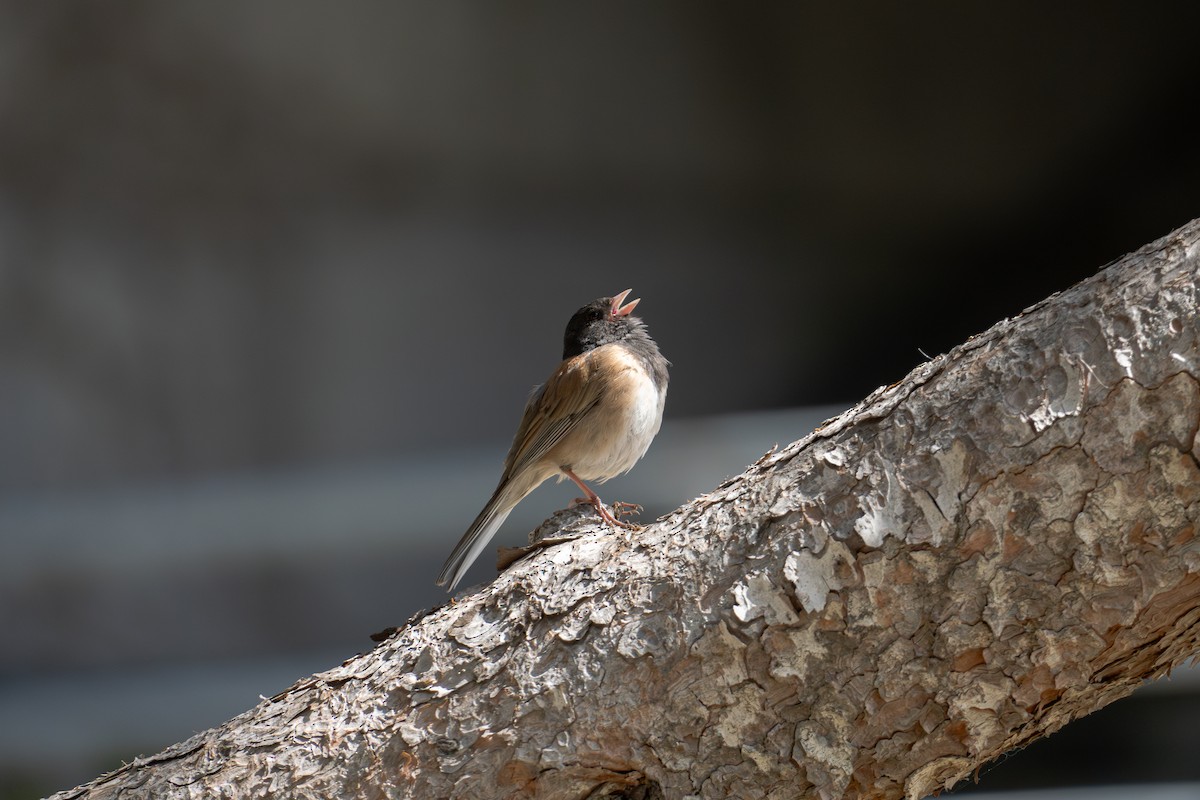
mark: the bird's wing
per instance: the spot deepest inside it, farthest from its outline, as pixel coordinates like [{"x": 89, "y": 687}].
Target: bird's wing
[{"x": 553, "y": 411}]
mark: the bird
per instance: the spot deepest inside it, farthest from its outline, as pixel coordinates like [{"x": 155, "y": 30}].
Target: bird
[{"x": 592, "y": 420}]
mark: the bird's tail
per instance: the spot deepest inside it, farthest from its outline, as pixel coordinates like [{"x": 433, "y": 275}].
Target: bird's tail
[
  {"x": 510, "y": 492},
  {"x": 475, "y": 539}
]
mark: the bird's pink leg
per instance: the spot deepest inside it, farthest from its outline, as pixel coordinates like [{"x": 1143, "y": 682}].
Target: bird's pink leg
[{"x": 595, "y": 500}]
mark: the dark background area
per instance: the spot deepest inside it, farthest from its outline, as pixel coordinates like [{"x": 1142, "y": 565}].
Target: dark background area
[{"x": 276, "y": 278}]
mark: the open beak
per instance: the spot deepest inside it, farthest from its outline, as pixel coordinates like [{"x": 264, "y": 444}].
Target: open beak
[{"x": 619, "y": 310}]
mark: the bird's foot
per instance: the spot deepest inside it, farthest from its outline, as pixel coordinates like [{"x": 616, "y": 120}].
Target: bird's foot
[
  {"x": 601, "y": 509},
  {"x": 626, "y": 509},
  {"x": 615, "y": 519}
]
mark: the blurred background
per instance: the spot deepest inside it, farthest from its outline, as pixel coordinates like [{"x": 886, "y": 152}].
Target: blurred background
[{"x": 277, "y": 277}]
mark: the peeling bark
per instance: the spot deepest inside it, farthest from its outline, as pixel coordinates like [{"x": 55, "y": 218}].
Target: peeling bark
[{"x": 964, "y": 562}]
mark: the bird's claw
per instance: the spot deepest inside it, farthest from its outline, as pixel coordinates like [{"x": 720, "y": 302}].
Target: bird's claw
[
  {"x": 621, "y": 509},
  {"x": 626, "y": 509}
]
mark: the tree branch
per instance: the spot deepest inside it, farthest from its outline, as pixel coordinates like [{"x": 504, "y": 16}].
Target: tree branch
[{"x": 969, "y": 559}]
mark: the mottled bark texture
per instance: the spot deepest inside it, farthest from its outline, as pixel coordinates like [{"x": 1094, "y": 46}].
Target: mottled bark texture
[{"x": 966, "y": 561}]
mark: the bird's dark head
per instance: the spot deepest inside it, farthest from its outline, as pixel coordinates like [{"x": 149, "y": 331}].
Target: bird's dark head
[{"x": 601, "y": 322}]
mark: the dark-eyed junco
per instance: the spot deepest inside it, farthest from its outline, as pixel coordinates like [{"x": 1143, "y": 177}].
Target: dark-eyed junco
[{"x": 592, "y": 420}]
